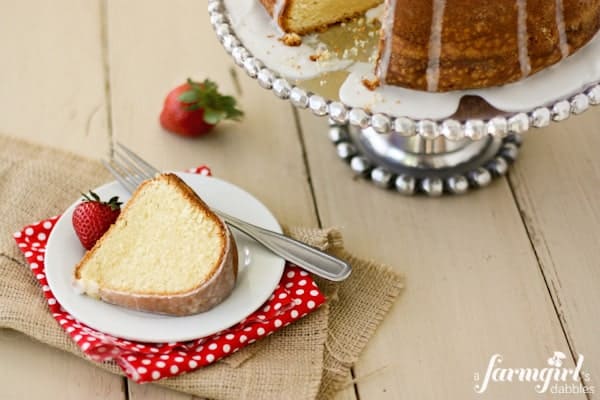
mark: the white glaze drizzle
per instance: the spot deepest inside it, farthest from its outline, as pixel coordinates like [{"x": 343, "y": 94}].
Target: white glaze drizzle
[
  {"x": 522, "y": 38},
  {"x": 435, "y": 45},
  {"x": 387, "y": 31},
  {"x": 278, "y": 11},
  {"x": 562, "y": 32}
]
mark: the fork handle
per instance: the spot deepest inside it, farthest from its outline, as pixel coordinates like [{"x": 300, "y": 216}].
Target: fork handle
[{"x": 307, "y": 257}]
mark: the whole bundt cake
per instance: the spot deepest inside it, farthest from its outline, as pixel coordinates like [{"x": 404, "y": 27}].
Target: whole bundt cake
[{"x": 443, "y": 45}]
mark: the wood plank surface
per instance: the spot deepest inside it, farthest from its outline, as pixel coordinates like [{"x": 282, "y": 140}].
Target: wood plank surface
[
  {"x": 155, "y": 392},
  {"x": 556, "y": 184},
  {"x": 262, "y": 154},
  {"x": 348, "y": 392},
  {"x": 32, "y": 370},
  {"x": 473, "y": 287},
  {"x": 52, "y": 72},
  {"x": 52, "y": 92}
]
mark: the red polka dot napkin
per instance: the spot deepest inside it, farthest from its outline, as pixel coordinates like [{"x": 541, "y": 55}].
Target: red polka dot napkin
[{"x": 295, "y": 296}]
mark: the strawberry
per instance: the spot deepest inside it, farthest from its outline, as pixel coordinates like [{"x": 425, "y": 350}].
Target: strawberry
[
  {"x": 92, "y": 217},
  {"x": 194, "y": 108}
]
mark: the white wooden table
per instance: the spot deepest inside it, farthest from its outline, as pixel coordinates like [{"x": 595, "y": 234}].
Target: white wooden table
[{"x": 513, "y": 269}]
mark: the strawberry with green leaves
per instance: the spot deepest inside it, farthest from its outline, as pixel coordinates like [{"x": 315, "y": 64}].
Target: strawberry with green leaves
[
  {"x": 194, "y": 108},
  {"x": 92, "y": 218}
]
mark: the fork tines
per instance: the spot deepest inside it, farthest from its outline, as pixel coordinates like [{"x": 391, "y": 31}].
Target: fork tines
[{"x": 129, "y": 168}]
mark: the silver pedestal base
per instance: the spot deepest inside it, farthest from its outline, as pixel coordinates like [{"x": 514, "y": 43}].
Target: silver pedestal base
[{"x": 412, "y": 165}]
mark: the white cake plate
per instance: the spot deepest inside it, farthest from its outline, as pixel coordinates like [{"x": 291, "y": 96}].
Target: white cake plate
[{"x": 413, "y": 155}]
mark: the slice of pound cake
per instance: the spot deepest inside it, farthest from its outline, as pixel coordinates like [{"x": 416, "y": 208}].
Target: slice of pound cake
[{"x": 166, "y": 253}]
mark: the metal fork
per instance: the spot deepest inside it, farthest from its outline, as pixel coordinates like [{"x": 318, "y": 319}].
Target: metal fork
[{"x": 130, "y": 170}]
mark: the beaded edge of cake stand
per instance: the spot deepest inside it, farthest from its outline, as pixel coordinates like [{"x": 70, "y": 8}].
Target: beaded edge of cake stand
[
  {"x": 434, "y": 186},
  {"x": 474, "y": 129}
]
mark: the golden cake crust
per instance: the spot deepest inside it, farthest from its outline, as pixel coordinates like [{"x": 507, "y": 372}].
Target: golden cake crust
[
  {"x": 480, "y": 44},
  {"x": 217, "y": 286},
  {"x": 290, "y": 12}
]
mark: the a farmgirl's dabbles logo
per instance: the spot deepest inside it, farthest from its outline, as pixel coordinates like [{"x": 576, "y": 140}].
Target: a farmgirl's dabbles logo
[{"x": 554, "y": 378}]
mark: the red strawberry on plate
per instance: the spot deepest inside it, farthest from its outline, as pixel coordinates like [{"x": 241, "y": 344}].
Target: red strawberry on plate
[
  {"x": 194, "y": 108},
  {"x": 92, "y": 217}
]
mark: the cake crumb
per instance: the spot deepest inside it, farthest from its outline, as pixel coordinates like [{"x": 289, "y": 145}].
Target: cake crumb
[
  {"x": 371, "y": 84},
  {"x": 320, "y": 56},
  {"x": 291, "y": 39},
  {"x": 322, "y": 53},
  {"x": 350, "y": 53},
  {"x": 373, "y": 57}
]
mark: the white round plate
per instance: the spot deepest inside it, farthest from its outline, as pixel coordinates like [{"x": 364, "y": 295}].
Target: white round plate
[{"x": 259, "y": 272}]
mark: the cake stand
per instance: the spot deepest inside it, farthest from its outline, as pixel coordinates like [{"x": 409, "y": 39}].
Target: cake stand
[{"x": 412, "y": 156}]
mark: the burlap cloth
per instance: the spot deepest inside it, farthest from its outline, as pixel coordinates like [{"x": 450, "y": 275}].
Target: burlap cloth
[{"x": 306, "y": 360}]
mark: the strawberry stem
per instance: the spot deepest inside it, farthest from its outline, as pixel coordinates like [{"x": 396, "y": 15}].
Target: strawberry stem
[
  {"x": 206, "y": 96},
  {"x": 113, "y": 203}
]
